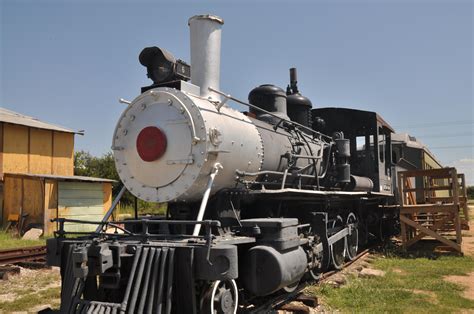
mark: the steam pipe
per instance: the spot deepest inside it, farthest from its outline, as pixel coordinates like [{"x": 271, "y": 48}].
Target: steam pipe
[{"x": 205, "y": 197}]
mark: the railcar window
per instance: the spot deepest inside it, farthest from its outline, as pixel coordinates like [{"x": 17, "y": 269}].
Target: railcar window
[
  {"x": 360, "y": 143},
  {"x": 382, "y": 141}
]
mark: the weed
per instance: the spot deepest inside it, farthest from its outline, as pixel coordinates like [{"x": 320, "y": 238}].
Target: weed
[
  {"x": 411, "y": 284},
  {"x": 29, "y": 300},
  {"x": 7, "y": 241}
]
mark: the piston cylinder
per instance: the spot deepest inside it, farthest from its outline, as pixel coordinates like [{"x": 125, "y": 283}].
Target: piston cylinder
[{"x": 268, "y": 270}]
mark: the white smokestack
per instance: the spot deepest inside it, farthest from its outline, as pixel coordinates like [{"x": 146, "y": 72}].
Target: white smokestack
[{"x": 205, "y": 33}]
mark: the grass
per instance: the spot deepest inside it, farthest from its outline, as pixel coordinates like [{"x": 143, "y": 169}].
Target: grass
[
  {"x": 144, "y": 208},
  {"x": 411, "y": 284},
  {"x": 7, "y": 241}
]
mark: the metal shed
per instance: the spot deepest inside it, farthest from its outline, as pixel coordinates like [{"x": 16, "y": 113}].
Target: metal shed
[{"x": 44, "y": 197}]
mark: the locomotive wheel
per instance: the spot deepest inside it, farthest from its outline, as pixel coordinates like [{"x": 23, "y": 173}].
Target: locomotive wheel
[
  {"x": 325, "y": 262},
  {"x": 315, "y": 274},
  {"x": 380, "y": 231},
  {"x": 352, "y": 240},
  {"x": 363, "y": 233},
  {"x": 338, "y": 249},
  {"x": 292, "y": 287},
  {"x": 220, "y": 297},
  {"x": 387, "y": 229}
]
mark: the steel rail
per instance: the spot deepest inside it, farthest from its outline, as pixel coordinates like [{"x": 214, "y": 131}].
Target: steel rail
[{"x": 26, "y": 254}]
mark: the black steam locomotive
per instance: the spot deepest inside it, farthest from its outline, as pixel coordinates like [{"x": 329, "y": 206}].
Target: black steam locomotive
[{"x": 257, "y": 200}]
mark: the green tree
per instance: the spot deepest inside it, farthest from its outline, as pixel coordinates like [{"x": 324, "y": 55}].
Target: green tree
[{"x": 470, "y": 192}]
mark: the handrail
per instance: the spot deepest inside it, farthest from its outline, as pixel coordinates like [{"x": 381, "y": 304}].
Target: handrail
[{"x": 228, "y": 96}]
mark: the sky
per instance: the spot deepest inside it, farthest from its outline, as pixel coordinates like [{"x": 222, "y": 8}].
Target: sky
[{"x": 68, "y": 62}]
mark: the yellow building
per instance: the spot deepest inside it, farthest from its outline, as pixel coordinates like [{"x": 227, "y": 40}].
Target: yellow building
[{"x": 37, "y": 175}]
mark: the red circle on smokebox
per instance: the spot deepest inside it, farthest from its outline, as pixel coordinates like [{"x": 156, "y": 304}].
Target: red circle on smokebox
[{"x": 151, "y": 143}]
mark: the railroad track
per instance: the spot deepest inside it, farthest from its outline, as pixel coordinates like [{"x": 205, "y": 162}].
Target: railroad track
[
  {"x": 280, "y": 300},
  {"x": 26, "y": 254}
]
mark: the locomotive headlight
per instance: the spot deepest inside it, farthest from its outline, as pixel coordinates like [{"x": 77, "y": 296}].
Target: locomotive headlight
[{"x": 162, "y": 66}]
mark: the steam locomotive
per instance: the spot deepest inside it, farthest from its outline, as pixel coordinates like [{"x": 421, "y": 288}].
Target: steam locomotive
[{"x": 257, "y": 200}]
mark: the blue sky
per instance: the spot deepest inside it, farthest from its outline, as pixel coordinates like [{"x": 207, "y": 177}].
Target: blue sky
[{"x": 68, "y": 62}]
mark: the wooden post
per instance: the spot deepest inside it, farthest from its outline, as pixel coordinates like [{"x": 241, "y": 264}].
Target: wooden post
[
  {"x": 463, "y": 196},
  {"x": 404, "y": 233},
  {"x": 401, "y": 193},
  {"x": 401, "y": 184},
  {"x": 457, "y": 220}
]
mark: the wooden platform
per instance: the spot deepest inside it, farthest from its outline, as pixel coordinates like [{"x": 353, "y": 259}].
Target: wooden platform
[{"x": 444, "y": 212}]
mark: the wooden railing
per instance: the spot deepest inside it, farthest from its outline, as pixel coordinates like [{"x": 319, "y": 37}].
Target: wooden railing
[{"x": 437, "y": 215}]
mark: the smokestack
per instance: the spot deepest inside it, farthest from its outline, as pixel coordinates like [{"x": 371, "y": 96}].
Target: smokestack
[{"x": 205, "y": 33}]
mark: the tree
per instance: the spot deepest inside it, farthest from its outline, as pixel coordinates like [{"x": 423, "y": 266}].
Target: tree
[{"x": 470, "y": 192}]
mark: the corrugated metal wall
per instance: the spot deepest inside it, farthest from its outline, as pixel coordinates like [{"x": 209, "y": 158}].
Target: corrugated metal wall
[{"x": 80, "y": 200}]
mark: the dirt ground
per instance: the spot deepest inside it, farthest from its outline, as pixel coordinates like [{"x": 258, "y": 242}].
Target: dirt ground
[
  {"x": 468, "y": 249},
  {"x": 31, "y": 291},
  {"x": 468, "y": 236}
]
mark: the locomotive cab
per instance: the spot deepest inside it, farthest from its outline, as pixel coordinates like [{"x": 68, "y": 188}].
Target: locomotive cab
[{"x": 370, "y": 144}]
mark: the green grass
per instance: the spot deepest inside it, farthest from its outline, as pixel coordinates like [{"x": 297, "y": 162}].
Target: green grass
[
  {"x": 7, "y": 241},
  {"x": 411, "y": 284},
  {"x": 144, "y": 208}
]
